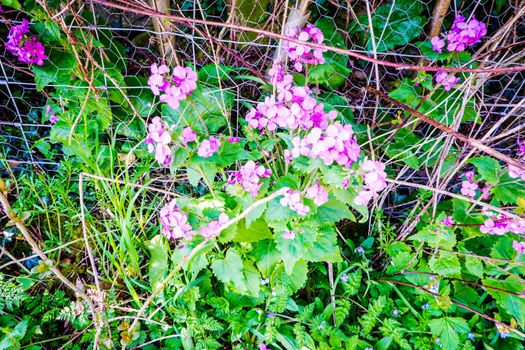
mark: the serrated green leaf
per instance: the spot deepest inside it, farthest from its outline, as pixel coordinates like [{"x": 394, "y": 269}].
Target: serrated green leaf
[
  {"x": 447, "y": 264},
  {"x": 230, "y": 269},
  {"x": 447, "y": 329},
  {"x": 488, "y": 168}
]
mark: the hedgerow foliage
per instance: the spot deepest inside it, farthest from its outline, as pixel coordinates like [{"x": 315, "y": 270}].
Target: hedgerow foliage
[{"x": 212, "y": 200}]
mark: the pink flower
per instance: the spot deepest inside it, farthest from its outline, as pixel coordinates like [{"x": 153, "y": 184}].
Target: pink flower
[
  {"x": 292, "y": 199},
  {"x": 448, "y": 221},
  {"x": 176, "y": 87},
  {"x": 233, "y": 140},
  {"x": 437, "y": 44},
  {"x": 448, "y": 81},
  {"x": 53, "y": 119},
  {"x": 174, "y": 222},
  {"x": 335, "y": 145},
  {"x": 318, "y": 194},
  {"x": 188, "y": 135},
  {"x": 468, "y": 188},
  {"x": 214, "y": 228},
  {"x": 301, "y": 53},
  {"x": 26, "y": 48},
  {"x": 249, "y": 176},
  {"x": 374, "y": 181},
  {"x": 158, "y": 141},
  {"x": 498, "y": 227},
  {"x": 208, "y": 147},
  {"x": 464, "y": 34},
  {"x": 519, "y": 247}
]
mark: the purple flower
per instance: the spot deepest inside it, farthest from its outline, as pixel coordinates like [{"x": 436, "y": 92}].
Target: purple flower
[
  {"x": 425, "y": 306},
  {"x": 233, "y": 140},
  {"x": 395, "y": 313},
  {"x": 471, "y": 336},
  {"x": 344, "y": 278},
  {"x": 208, "y": 147},
  {"x": 318, "y": 194},
  {"x": 359, "y": 250},
  {"x": 437, "y": 44},
  {"x": 463, "y": 34},
  {"x": 448, "y": 81},
  {"x": 27, "y": 49},
  {"x": 53, "y": 119},
  {"x": 448, "y": 221}
]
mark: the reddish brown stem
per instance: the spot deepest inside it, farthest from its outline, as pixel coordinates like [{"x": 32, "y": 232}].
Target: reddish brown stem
[
  {"x": 470, "y": 141},
  {"x": 138, "y": 9}
]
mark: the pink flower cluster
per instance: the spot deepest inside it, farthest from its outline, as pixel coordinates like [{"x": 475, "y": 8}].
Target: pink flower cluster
[
  {"x": 174, "y": 222},
  {"x": 291, "y": 107},
  {"x": 462, "y": 34},
  {"x": 335, "y": 144},
  {"x": 292, "y": 199},
  {"x": 469, "y": 186},
  {"x": 300, "y": 53},
  {"x": 499, "y": 224},
  {"x": 27, "y": 49},
  {"x": 213, "y": 229},
  {"x": 158, "y": 141},
  {"x": 175, "y": 87},
  {"x": 375, "y": 181},
  {"x": 447, "y": 80},
  {"x": 208, "y": 147},
  {"x": 248, "y": 176},
  {"x": 514, "y": 171},
  {"x": 318, "y": 194}
]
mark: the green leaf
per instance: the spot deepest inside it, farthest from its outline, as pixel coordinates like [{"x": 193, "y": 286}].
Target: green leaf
[
  {"x": 401, "y": 255},
  {"x": 276, "y": 212},
  {"x": 394, "y": 24},
  {"x": 447, "y": 264},
  {"x": 290, "y": 283},
  {"x": 230, "y": 269},
  {"x": 474, "y": 266},
  {"x": 12, "y": 3},
  {"x": 333, "y": 211},
  {"x": 57, "y": 69},
  {"x": 333, "y": 73},
  {"x": 509, "y": 190},
  {"x": 436, "y": 236},
  {"x": 489, "y": 169},
  {"x": 211, "y": 105},
  {"x": 447, "y": 329},
  {"x": 212, "y": 73},
  {"x": 510, "y": 302},
  {"x": 325, "y": 248},
  {"x": 257, "y": 231},
  {"x": 198, "y": 170},
  {"x": 158, "y": 262}
]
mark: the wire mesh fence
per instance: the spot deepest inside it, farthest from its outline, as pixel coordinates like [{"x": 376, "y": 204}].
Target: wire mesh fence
[{"x": 388, "y": 31}]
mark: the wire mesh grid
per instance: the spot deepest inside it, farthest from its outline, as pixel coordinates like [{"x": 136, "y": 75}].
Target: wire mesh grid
[{"x": 496, "y": 98}]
